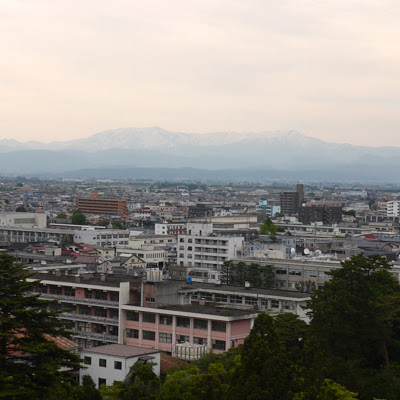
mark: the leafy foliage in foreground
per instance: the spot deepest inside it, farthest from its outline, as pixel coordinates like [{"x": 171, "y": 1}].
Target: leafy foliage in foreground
[
  {"x": 350, "y": 350},
  {"x": 30, "y": 365}
]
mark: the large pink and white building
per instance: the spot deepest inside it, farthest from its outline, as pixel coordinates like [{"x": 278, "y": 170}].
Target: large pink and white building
[{"x": 164, "y": 327}]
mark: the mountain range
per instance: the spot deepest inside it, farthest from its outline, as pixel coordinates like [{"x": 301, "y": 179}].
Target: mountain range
[{"x": 158, "y": 153}]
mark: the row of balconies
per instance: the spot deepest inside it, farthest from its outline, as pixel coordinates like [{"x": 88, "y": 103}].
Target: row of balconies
[
  {"x": 79, "y": 300},
  {"x": 95, "y": 336},
  {"x": 88, "y": 318}
]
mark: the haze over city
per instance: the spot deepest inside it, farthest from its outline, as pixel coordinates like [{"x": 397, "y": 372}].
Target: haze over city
[{"x": 326, "y": 69}]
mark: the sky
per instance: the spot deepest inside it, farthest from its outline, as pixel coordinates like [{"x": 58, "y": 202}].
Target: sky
[{"x": 327, "y": 68}]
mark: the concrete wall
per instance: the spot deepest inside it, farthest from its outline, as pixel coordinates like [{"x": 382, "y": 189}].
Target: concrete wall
[{"x": 24, "y": 219}]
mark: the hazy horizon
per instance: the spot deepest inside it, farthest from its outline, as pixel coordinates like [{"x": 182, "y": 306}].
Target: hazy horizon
[
  {"x": 275, "y": 133},
  {"x": 326, "y": 69}
]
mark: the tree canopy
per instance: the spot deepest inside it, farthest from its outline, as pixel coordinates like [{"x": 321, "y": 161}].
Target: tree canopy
[
  {"x": 350, "y": 349},
  {"x": 30, "y": 364},
  {"x": 78, "y": 218},
  {"x": 268, "y": 227}
]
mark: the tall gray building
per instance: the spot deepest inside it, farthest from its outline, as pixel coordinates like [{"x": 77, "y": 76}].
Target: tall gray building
[{"x": 291, "y": 200}]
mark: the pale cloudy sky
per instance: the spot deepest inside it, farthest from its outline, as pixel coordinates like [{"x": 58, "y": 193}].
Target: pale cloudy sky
[{"x": 327, "y": 68}]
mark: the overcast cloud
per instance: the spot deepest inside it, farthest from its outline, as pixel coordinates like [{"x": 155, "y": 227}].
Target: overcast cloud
[{"x": 329, "y": 69}]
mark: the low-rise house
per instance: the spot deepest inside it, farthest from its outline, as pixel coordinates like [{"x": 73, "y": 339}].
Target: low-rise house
[{"x": 112, "y": 363}]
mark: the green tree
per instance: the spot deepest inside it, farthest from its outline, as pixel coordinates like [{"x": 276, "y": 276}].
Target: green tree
[
  {"x": 88, "y": 389},
  {"x": 307, "y": 286},
  {"x": 264, "y": 371},
  {"x": 61, "y": 216},
  {"x": 20, "y": 209},
  {"x": 268, "y": 227},
  {"x": 141, "y": 383},
  {"x": 30, "y": 364},
  {"x": 292, "y": 333},
  {"x": 118, "y": 224},
  {"x": 268, "y": 277},
  {"x": 194, "y": 384},
  {"x": 111, "y": 392},
  {"x": 227, "y": 273},
  {"x": 67, "y": 240},
  {"x": 253, "y": 274},
  {"x": 279, "y": 215},
  {"x": 78, "y": 218},
  {"x": 329, "y": 390},
  {"x": 240, "y": 273},
  {"x": 356, "y": 319}
]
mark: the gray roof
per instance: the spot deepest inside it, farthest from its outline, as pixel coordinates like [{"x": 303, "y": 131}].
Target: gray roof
[{"x": 121, "y": 350}]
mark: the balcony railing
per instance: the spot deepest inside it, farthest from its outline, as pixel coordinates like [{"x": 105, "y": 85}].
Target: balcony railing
[
  {"x": 96, "y": 336},
  {"x": 78, "y": 300},
  {"x": 89, "y": 318}
]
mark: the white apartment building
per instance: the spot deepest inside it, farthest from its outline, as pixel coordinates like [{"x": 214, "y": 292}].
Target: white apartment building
[
  {"x": 393, "y": 208},
  {"x": 103, "y": 238},
  {"x": 169, "y": 229},
  {"x": 204, "y": 252}
]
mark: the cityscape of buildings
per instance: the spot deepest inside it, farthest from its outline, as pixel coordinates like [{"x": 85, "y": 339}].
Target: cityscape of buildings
[{"x": 182, "y": 269}]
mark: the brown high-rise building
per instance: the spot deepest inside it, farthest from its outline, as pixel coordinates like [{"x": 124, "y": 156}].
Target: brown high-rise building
[
  {"x": 291, "y": 200},
  {"x": 95, "y": 205}
]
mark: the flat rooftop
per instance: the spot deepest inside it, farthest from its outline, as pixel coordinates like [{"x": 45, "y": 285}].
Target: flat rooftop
[
  {"x": 121, "y": 350},
  {"x": 110, "y": 280},
  {"x": 198, "y": 309},
  {"x": 198, "y": 286}
]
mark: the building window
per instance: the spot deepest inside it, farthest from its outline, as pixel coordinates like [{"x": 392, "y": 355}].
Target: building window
[
  {"x": 149, "y": 318},
  {"x": 264, "y": 303},
  {"x": 199, "y": 340},
  {"x": 218, "y": 344},
  {"x": 274, "y": 303},
  {"x": 165, "y": 337},
  {"x": 221, "y": 298},
  {"x": 295, "y": 272},
  {"x": 117, "y": 365},
  {"x": 114, "y": 296},
  {"x": 206, "y": 296},
  {"x": 102, "y": 381},
  {"x": 182, "y": 338},
  {"x": 235, "y": 299},
  {"x": 310, "y": 274},
  {"x": 281, "y": 271},
  {"x": 183, "y": 322},
  {"x": 288, "y": 305},
  {"x": 201, "y": 324},
  {"x": 132, "y": 316},
  {"x": 102, "y": 362},
  {"x": 88, "y": 360},
  {"x": 165, "y": 320},
  {"x": 69, "y": 292},
  {"x": 253, "y": 301},
  {"x": 149, "y": 335},
  {"x": 132, "y": 333},
  {"x": 218, "y": 326},
  {"x": 150, "y": 299}
]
